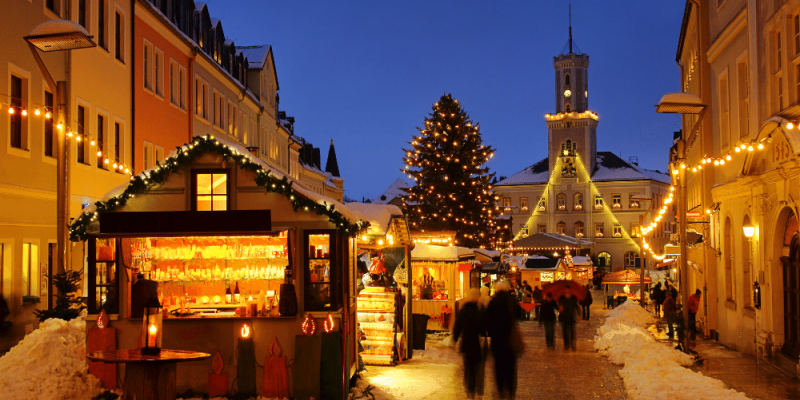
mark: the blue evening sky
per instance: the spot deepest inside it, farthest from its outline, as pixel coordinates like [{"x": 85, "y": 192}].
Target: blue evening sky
[{"x": 366, "y": 73}]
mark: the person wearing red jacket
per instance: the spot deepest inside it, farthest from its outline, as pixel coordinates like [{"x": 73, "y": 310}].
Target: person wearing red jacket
[{"x": 694, "y": 306}]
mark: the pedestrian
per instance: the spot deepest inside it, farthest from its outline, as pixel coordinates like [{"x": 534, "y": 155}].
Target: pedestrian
[
  {"x": 537, "y": 298},
  {"x": 568, "y": 315},
  {"x": 500, "y": 324},
  {"x": 527, "y": 298},
  {"x": 694, "y": 306},
  {"x": 426, "y": 285},
  {"x": 669, "y": 309},
  {"x": 586, "y": 304},
  {"x": 483, "y": 302},
  {"x": 548, "y": 319},
  {"x": 658, "y": 298},
  {"x": 470, "y": 328}
]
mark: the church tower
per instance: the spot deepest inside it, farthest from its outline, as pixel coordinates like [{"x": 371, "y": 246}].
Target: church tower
[{"x": 573, "y": 128}]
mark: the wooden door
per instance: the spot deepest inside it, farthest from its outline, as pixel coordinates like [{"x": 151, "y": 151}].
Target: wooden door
[{"x": 791, "y": 299}]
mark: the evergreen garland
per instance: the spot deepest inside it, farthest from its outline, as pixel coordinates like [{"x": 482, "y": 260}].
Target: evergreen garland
[
  {"x": 452, "y": 188},
  {"x": 185, "y": 155}
]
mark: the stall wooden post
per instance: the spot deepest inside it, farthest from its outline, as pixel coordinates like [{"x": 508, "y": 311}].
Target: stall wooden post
[{"x": 409, "y": 304}]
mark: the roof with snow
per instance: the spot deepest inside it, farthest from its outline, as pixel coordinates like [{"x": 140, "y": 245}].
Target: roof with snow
[
  {"x": 256, "y": 55},
  {"x": 609, "y": 168},
  {"x": 378, "y": 215},
  {"x": 550, "y": 240},
  {"x": 432, "y": 252},
  {"x": 394, "y": 191}
]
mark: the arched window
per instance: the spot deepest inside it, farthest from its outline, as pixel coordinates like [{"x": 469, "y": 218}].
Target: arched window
[
  {"x": 579, "y": 229},
  {"x": 630, "y": 259},
  {"x": 577, "y": 201},
  {"x": 561, "y": 228},
  {"x": 727, "y": 254},
  {"x": 566, "y": 107},
  {"x": 562, "y": 201},
  {"x": 604, "y": 260},
  {"x": 566, "y": 79}
]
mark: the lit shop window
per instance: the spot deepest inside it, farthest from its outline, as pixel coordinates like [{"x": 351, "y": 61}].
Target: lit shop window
[
  {"x": 578, "y": 201},
  {"x": 523, "y": 204},
  {"x": 617, "y": 230},
  {"x": 598, "y": 201},
  {"x": 599, "y": 230},
  {"x": 562, "y": 201},
  {"x": 617, "y": 200},
  {"x": 211, "y": 190}
]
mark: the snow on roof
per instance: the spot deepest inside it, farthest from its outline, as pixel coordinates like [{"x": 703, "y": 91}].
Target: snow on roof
[
  {"x": 424, "y": 251},
  {"x": 536, "y": 173},
  {"x": 378, "y": 215},
  {"x": 581, "y": 260},
  {"x": 394, "y": 191},
  {"x": 609, "y": 168},
  {"x": 58, "y": 27},
  {"x": 256, "y": 55},
  {"x": 612, "y": 168},
  {"x": 298, "y": 186},
  {"x": 681, "y": 98},
  {"x": 487, "y": 252}
]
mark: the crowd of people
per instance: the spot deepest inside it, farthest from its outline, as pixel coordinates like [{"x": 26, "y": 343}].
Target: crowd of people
[{"x": 489, "y": 325}]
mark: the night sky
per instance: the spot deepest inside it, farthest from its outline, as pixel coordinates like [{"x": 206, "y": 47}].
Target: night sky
[{"x": 366, "y": 73}]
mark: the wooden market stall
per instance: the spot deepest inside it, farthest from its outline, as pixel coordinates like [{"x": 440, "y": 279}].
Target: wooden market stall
[
  {"x": 624, "y": 278},
  {"x": 448, "y": 282},
  {"x": 539, "y": 270},
  {"x": 581, "y": 269},
  {"x": 235, "y": 253}
]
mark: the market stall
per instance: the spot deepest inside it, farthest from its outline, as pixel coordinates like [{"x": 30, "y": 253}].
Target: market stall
[
  {"x": 438, "y": 282},
  {"x": 234, "y": 253},
  {"x": 539, "y": 270},
  {"x": 581, "y": 269},
  {"x": 623, "y": 280}
]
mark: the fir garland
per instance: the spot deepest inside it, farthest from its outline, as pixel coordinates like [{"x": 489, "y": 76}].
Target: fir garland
[{"x": 187, "y": 154}]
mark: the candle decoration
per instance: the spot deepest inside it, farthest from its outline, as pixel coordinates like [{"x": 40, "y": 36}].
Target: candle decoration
[
  {"x": 152, "y": 328},
  {"x": 217, "y": 380},
  {"x": 246, "y": 364},
  {"x": 309, "y": 326},
  {"x": 102, "y": 320},
  {"x": 328, "y": 324}
]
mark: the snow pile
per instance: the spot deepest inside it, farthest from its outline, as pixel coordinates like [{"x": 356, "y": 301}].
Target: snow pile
[
  {"x": 653, "y": 370},
  {"x": 50, "y": 363}
]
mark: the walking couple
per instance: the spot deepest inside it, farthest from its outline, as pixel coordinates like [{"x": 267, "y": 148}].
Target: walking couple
[
  {"x": 498, "y": 321},
  {"x": 567, "y": 306}
]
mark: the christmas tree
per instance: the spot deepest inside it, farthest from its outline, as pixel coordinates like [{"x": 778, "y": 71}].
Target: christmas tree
[{"x": 452, "y": 190}]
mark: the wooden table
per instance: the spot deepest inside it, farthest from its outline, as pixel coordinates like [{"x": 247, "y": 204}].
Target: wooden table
[{"x": 148, "y": 377}]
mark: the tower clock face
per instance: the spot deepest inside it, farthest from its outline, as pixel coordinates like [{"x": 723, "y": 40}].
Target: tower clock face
[{"x": 567, "y": 93}]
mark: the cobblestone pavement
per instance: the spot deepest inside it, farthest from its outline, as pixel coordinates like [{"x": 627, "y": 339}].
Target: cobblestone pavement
[{"x": 542, "y": 374}]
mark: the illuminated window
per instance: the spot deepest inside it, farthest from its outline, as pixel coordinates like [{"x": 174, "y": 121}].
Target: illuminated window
[
  {"x": 506, "y": 205},
  {"x": 523, "y": 229},
  {"x": 633, "y": 203},
  {"x": 577, "y": 201},
  {"x": 81, "y": 144},
  {"x": 630, "y": 259},
  {"x": 598, "y": 201},
  {"x": 579, "y": 229},
  {"x": 30, "y": 269},
  {"x": 634, "y": 229},
  {"x": 599, "y": 230},
  {"x": 617, "y": 200},
  {"x": 523, "y": 203},
  {"x": 562, "y": 201},
  {"x": 542, "y": 204},
  {"x": 210, "y": 190},
  {"x": 617, "y": 230},
  {"x": 561, "y": 228}
]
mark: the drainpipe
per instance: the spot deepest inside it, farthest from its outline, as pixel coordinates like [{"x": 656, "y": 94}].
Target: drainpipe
[
  {"x": 191, "y": 91},
  {"x": 133, "y": 88}
]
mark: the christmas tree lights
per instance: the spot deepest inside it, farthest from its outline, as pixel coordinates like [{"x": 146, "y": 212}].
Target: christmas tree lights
[{"x": 452, "y": 188}]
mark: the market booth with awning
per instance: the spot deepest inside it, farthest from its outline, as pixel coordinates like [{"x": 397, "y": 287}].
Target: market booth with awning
[
  {"x": 448, "y": 267},
  {"x": 625, "y": 278}
]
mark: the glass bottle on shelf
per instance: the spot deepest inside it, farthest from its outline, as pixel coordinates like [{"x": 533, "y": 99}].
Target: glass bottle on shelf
[
  {"x": 228, "y": 293},
  {"x": 236, "y": 295}
]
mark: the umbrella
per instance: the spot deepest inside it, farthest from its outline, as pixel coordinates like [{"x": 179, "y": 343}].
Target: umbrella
[{"x": 557, "y": 289}]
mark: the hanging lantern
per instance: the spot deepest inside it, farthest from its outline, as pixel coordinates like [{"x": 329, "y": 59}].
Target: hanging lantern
[
  {"x": 328, "y": 324},
  {"x": 309, "y": 326},
  {"x": 152, "y": 327}
]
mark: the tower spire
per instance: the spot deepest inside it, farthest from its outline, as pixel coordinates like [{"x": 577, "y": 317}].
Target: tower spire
[{"x": 570, "y": 29}]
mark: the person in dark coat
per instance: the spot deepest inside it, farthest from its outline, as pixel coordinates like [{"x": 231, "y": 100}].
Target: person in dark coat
[
  {"x": 568, "y": 315},
  {"x": 470, "y": 327},
  {"x": 500, "y": 319},
  {"x": 548, "y": 319},
  {"x": 669, "y": 309},
  {"x": 586, "y": 304},
  {"x": 658, "y": 298},
  {"x": 537, "y": 298}
]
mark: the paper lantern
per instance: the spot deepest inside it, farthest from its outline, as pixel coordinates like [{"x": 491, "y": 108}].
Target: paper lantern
[
  {"x": 328, "y": 324},
  {"x": 309, "y": 325}
]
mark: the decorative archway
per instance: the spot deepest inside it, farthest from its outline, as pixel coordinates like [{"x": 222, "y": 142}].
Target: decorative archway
[
  {"x": 790, "y": 261},
  {"x": 604, "y": 260}
]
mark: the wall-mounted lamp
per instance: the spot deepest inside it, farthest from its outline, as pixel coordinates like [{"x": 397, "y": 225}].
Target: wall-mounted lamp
[{"x": 749, "y": 231}]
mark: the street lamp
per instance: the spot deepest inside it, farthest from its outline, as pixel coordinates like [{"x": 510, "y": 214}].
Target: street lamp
[
  {"x": 683, "y": 103},
  {"x": 641, "y": 198},
  {"x": 59, "y": 35}
]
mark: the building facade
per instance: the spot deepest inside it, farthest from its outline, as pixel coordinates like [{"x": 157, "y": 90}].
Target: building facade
[
  {"x": 578, "y": 191},
  {"x": 742, "y": 57}
]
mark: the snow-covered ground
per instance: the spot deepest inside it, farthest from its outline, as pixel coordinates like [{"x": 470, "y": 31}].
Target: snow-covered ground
[
  {"x": 50, "y": 363},
  {"x": 653, "y": 370}
]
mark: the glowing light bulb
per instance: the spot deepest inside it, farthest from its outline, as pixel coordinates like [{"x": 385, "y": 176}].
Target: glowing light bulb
[
  {"x": 789, "y": 125},
  {"x": 761, "y": 146},
  {"x": 59, "y": 126},
  {"x": 36, "y": 111},
  {"x": 728, "y": 157},
  {"x": 737, "y": 149},
  {"x": 24, "y": 112},
  {"x": 750, "y": 148},
  {"x": 47, "y": 115},
  {"x": 92, "y": 142},
  {"x": 99, "y": 153},
  {"x": 105, "y": 161}
]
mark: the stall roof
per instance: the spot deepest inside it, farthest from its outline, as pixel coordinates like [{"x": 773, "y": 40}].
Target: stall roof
[
  {"x": 298, "y": 186},
  {"x": 624, "y": 277},
  {"x": 543, "y": 264},
  {"x": 431, "y": 252},
  {"x": 582, "y": 260},
  {"x": 493, "y": 268},
  {"x": 549, "y": 241},
  {"x": 490, "y": 255},
  {"x": 379, "y": 216}
]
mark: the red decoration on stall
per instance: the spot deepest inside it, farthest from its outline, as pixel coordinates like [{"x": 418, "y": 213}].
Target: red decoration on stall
[
  {"x": 102, "y": 339},
  {"x": 217, "y": 381},
  {"x": 276, "y": 377},
  {"x": 309, "y": 325},
  {"x": 328, "y": 324}
]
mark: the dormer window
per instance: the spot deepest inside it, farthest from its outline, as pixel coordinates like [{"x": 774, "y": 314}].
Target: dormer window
[{"x": 210, "y": 190}]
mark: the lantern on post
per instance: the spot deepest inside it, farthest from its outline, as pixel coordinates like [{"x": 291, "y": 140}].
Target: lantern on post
[{"x": 152, "y": 327}]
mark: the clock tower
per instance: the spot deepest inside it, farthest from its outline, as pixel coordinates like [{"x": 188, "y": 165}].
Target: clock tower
[{"x": 572, "y": 129}]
